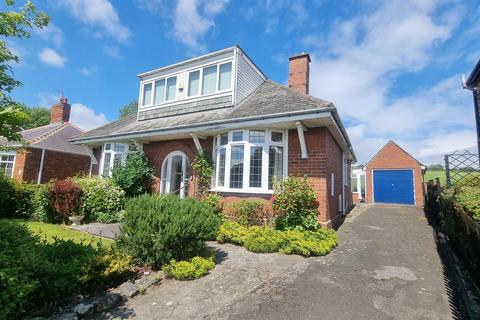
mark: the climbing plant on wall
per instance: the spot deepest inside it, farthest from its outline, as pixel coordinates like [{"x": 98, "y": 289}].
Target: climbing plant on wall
[{"x": 203, "y": 167}]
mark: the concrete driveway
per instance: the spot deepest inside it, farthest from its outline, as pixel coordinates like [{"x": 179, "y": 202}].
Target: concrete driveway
[{"x": 388, "y": 266}]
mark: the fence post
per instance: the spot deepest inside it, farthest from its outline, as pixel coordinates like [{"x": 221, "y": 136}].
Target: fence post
[{"x": 447, "y": 171}]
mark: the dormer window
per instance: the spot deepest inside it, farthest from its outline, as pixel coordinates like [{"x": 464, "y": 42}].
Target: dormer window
[
  {"x": 160, "y": 91},
  {"x": 210, "y": 80}
]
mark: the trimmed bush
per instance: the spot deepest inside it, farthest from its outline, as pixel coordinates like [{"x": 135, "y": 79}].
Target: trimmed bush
[
  {"x": 41, "y": 202},
  {"x": 189, "y": 270},
  {"x": 8, "y": 206},
  {"x": 157, "y": 229},
  {"x": 469, "y": 199},
  {"x": 267, "y": 240},
  {"x": 102, "y": 200},
  {"x": 296, "y": 204},
  {"x": 263, "y": 240},
  {"x": 65, "y": 197},
  {"x": 134, "y": 176},
  {"x": 232, "y": 232},
  {"x": 250, "y": 212}
]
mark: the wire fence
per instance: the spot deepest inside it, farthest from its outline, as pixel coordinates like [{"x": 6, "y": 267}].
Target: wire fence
[{"x": 462, "y": 168}]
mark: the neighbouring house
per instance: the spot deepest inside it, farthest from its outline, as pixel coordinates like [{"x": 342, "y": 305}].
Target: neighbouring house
[
  {"x": 358, "y": 185},
  {"x": 393, "y": 176},
  {"x": 47, "y": 154},
  {"x": 256, "y": 131}
]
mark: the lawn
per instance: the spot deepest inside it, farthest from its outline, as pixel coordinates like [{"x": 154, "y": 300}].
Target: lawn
[
  {"x": 50, "y": 231},
  {"x": 432, "y": 174}
]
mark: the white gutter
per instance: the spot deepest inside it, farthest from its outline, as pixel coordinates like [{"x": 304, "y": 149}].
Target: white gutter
[{"x": 40, "y": 170}]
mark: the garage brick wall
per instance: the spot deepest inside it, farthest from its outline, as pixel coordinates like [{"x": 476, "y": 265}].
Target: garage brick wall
[{"x": 394, "y": 157}]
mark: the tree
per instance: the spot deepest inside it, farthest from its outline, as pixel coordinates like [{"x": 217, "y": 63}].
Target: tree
[
  {"x": 129, "y": 109},
  {"x": 38, "y": 116},
  {"x": 14, "y": 24}
]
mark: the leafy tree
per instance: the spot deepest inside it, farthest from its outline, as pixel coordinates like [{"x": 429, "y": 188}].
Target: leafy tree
[
  {"x": 38, "y": 116},
  {"x": 435, "y": 167},
  {"x": 129, "y": 109},
  {"x": 14, "y": 24}
]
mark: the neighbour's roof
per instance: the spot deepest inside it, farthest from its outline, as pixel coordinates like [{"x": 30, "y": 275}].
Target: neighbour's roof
[
  {"x": 269, "y": 99},
  {"x": 391, "y": 142},
  {"x": 54, "y": 136}
]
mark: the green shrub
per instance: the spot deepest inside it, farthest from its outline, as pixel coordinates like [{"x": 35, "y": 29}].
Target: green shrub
[
  {"x": 249, "y": 212},
  {"x": 157, "y": 229},
  {"x": 8, "y": 205},
  {"x": 232, "y": 232},
  {"x": 214, "y": 200},
  {"x": 469, "y": 199},
  {"x": 134, "y": 176},
  {"x": 102, "y": 199},
  {"x": 295, "y": 202},
  {"x": 41, "y": 205},
  {"x": 189, "y": 270},
  {"x": 266, "y": 239},
  {"x": 309, "y": 243},
  {"x": 203, "y": 168},
  {"x": 38, "y": 274},
  {"x": 263, "y": 240}
]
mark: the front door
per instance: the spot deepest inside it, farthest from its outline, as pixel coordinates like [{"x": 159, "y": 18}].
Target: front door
[{"x": 175, "y": 174}]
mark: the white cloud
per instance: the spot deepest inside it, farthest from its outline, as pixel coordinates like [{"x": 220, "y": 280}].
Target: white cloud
[
  {"x": 112, "y": 51},
  {"x": 89, "y": 71},
  {"x": 47, "y": 99},
  {"x": 52, "y": 58},
  {"x": 358, "y": 73},
  {"x": 99, "y": 15},
  {"x": 193, "y": 19},
  {"x": 51, "y": 33},
  {"x": 85, "y": 117}
]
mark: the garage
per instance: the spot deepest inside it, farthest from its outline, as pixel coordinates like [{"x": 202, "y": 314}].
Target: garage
[
  {"x": 394, "y": 176},
  {"x": 393, "y": 186}
]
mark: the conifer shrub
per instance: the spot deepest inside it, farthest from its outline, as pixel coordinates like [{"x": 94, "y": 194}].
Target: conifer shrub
[{"x": 157, "y": 229}]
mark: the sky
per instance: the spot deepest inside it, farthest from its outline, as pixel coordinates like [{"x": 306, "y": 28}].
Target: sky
[{"x": 392, "y": 68}]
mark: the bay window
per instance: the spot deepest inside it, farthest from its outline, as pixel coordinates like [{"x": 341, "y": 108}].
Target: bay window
[
  {"x": 114, "y": 153},
  {"x": 249, "y": 160}
]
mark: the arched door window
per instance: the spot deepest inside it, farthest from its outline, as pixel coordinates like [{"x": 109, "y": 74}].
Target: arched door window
[{"x": 175, "y": 177}]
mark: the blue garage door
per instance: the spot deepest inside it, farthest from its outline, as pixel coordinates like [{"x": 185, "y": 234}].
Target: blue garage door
[{"x": 393, "y": 186}]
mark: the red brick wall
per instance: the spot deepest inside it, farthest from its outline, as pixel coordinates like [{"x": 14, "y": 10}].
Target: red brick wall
[
  {"x": 156, "y": 153},
  {"x": 56, "y": 165},
  {"x": 393, "y": 157}
]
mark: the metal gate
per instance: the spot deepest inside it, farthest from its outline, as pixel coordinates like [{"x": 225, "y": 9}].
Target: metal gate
[{"x": 462, "y": 168}]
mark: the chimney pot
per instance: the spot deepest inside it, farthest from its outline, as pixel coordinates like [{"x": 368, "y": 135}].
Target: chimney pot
[
  {"x": 60, "y": 112},
  {"x": 299, "y": 76}
]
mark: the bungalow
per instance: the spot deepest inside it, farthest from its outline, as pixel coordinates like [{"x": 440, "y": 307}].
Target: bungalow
[
  {"x": 254, "y": 129},
  {"x": 48, "y": 154}
]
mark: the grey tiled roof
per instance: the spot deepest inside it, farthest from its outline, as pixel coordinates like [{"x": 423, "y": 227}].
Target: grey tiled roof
[
  {"x": 269, "y": 99},
  {"x": 52, "y": 137}
]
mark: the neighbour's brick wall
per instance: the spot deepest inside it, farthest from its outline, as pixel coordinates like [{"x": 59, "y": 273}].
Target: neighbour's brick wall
[
  {"x": 60, "y": 165},
  {"x": 355, "y": 198},
  {"x": 56, "y": 165},
  {"x": 393, "y": 157}
]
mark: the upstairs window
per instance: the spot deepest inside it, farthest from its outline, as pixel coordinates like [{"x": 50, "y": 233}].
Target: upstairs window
[
  {"x": 210, "y": 80},
  {"x": 147, "y": 94},
  {"x": 161, "y": 90}
]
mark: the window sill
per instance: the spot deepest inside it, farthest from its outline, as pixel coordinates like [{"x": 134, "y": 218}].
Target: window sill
[{"x": 249, "y": 191}]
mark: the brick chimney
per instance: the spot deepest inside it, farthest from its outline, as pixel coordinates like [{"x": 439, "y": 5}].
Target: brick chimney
[
  {"x": 60, "y": 112},
  {"x": 299, "y": 76}
]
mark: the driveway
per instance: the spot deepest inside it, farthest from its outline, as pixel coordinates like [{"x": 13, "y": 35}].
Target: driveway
[{"x": 387, "y": 266}]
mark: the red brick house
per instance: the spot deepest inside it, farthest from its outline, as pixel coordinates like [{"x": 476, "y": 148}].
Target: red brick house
[
  {"x": 254, "y": 129},
  {"x": 394, "y": 176},
  {"x": 48, "y": 153}
]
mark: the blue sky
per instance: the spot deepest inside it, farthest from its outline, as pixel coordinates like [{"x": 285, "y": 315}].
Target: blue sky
[{"x": 392, "y": 68}]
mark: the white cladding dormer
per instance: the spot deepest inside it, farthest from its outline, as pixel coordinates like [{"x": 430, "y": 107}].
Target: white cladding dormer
[{"x": 217, "y": 80}]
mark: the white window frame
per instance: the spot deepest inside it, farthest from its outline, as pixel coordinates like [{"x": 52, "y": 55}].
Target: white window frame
[
  {"x": 165, "y": 174},
  {"x": 152, "y": 96},
  {"x": 217, "y": 80},
  {"x": 263, "y": 189},
  {"x": 8, "y": 154},
  {"x": 126, "y": 151}
]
